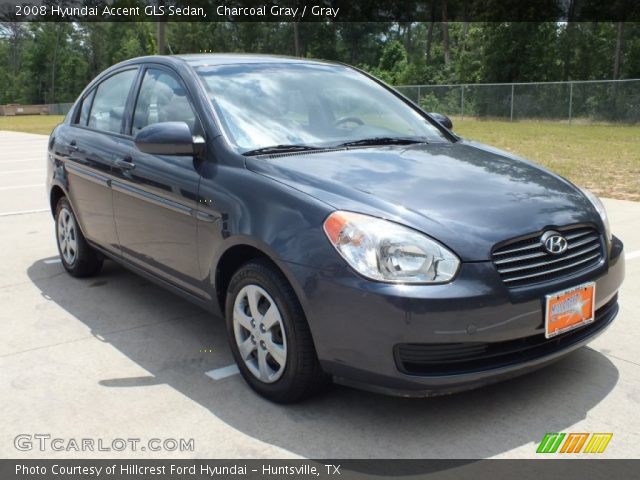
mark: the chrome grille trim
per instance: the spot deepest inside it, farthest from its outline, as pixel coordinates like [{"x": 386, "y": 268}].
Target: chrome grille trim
[
  {"x": 573, "y": 236},
  {"x": 521, "y": 257},
  {"x": 515, "y": 250},
  {"x": 553, "y": 270},
  {"x": 525, "y": 261},
  {"x": 542, "y": 264},
  {"x": 582, "y": 242}
]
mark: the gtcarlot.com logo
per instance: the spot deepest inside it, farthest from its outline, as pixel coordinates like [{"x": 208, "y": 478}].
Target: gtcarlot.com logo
[
  {"x": 43, "y": 442},
  {"x": 574, "y": 443}
]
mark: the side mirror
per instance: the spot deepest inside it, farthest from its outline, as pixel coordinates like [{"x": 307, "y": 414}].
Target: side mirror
[
  {"x": 167, "y": 138},
  {"x": 442, "y": 120}
]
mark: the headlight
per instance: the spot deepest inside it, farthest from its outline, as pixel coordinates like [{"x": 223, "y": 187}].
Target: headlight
[
  {"x": 388, "y": 252},
  {"x": 599, "y": 206}
]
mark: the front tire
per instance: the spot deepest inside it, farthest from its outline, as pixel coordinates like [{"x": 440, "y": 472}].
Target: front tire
[
  {"x": 78, "y": 258},
  {"x": 269, "y": 335}
]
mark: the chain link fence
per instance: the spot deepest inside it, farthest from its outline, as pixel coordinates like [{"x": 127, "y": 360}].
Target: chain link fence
[
  {"x": 13, "y": 109},
  {"x": 615, "y": 101},
  {"x": 59, "y": 108},
  {"x": 590, "y": 101}
]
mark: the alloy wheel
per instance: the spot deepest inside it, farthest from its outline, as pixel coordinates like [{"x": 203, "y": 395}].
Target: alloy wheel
[
  {"x": 259, "y": 333},
  {"x": 67, "y": 236}
]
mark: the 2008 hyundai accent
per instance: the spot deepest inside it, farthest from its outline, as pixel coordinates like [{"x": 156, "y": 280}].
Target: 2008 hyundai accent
[{"x": 343, "y": 232}]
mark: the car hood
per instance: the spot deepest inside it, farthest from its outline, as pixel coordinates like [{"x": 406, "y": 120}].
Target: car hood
[{"x": 466, "y": 195}]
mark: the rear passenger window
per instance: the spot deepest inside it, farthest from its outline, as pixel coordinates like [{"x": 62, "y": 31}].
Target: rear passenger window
[
  {"x": 84, "y": 109},
  {"x": 162, "y": 98},
  {"x": 110, "y": 100}
]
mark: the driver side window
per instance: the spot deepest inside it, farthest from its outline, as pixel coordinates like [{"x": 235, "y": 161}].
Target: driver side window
[{"x": 162, "y": 98}]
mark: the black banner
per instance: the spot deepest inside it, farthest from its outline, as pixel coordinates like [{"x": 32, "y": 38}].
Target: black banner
[
  {"x": 319, "y": 10},
  {"x": 583, "y": 469}
]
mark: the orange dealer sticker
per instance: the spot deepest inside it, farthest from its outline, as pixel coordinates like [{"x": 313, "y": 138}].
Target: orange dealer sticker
[{"x": 569, "y": 309}]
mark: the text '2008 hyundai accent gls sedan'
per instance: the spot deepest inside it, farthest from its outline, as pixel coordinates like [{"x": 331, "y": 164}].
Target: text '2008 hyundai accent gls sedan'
[{"x": 343, "y": 232}]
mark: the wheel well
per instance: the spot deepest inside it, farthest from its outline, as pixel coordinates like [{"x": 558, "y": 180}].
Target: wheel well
[
  {"x": 229, "y": 264},
  {"x": 54, "y": 198}
]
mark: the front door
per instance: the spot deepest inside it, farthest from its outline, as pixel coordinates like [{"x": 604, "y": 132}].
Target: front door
[{"x": 155, "y": 196}]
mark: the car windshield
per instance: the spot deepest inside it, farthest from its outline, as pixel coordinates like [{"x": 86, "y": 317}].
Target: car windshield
[{"x": 269, "y": 107}]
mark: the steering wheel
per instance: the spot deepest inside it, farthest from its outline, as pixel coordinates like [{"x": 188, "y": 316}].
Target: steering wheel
[{"x": 343, "y": 120}]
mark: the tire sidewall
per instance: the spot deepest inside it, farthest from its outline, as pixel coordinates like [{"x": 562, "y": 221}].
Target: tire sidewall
[
  {"x": 88, "y": 261},
  {"x": 255, "y": 276},
  {"x": 64, "y": 204}
]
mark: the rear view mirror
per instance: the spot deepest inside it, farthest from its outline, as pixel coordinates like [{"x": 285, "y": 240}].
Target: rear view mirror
[
  {"x": 442, "y": 120},
  {"x": 166, "y": 138}
]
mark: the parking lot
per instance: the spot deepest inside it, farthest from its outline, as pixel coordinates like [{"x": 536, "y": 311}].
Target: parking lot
[{"x": 117, "y": 357}]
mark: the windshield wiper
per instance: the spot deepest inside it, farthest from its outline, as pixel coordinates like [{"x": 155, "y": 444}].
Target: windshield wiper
[
  {"x": 383, "y": 141},
  {"x": 280, "y": 149}
]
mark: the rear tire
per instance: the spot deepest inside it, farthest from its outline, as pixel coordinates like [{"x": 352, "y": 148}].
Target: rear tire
[
  {"x": 269, "y": 335},
  {"x": 78, "y": 258}
]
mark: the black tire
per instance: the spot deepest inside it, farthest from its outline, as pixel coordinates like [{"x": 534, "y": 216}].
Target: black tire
[
  {"x": 86, "y": 261},
  {"x": 302, "y": 376}
]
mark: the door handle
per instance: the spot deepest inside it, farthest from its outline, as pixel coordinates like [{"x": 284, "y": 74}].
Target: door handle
[
  {"x": 73, "y": 146},
  {"x": 125, "y": 163}
]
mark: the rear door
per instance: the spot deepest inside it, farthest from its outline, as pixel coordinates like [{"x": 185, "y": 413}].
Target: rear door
[
  {"x": 94, "y": 141},
  {"x": 155, "y": 196}
]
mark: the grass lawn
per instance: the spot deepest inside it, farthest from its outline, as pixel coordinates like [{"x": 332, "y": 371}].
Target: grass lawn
[
  {"x": 604, "y": 158},
  {"x": 31, "y": 123}
]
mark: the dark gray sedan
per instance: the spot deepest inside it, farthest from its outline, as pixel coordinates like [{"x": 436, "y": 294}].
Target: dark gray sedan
[{"x": 343, "y": 232}]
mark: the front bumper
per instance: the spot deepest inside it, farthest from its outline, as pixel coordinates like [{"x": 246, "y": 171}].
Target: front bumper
[{"x": 359, "y": 326}]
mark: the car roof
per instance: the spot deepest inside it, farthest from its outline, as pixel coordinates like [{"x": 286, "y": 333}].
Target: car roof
[
  {"x": 217, "y": 59},
  {"x": 204, "y": 59}
]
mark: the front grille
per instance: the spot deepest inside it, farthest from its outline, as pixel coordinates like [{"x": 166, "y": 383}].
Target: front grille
[
  {"x": 525, "y": 261},
  {"x": 458, "y": 358}
]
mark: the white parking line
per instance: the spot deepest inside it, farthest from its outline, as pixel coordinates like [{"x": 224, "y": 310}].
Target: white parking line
[
  {"x": 23, "y": 171},
  {"x": 22, "y": 186},
  {"x": 52, "y": 261},
  {"x": 223, "y": 372},
  {"x": 632, "y": 255},
  {"x": 24, "y": 212}
]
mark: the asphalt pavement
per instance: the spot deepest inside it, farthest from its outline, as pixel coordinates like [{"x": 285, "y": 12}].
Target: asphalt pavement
[{"x": 116, "y": 357}]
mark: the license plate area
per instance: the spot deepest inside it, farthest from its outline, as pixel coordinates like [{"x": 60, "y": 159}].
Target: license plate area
[{"x": 569, "y": 309}]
